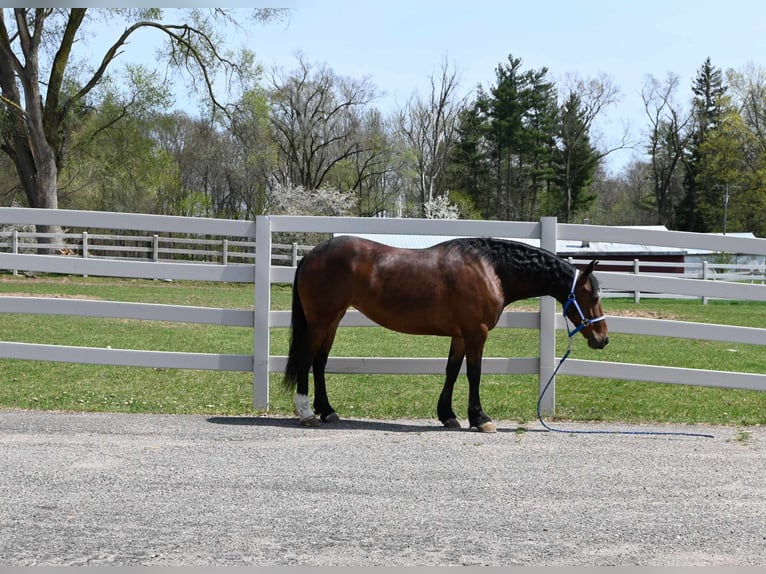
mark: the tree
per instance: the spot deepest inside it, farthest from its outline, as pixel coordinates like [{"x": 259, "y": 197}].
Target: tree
[
  {"x": 747, "y": 89},
  {"x": 625, "y": 199},
  {"x": 708, "y": 110},
  {"x": 119, "y": 168},
  {"x": 578, "y": 158},
  {"x": 251, "y": 159},
  {"x": 440, "y": 207},
  {"x": 428, "y": 127},
  {"x": 316, "y": 118},
  {"x": 469, "y": 167},
  {"x": 503, "y": 159},
  {"x": 43, "y": 84},
  {"x": 668, "y": 136},
  {"x": 372, "y": 173}
]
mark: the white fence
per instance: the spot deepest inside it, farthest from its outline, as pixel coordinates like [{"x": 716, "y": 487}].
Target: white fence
[
  {"x": 146, "y": 247},
  {"x": 230, "y": 250},
  {"x": 262, "y": 273}
]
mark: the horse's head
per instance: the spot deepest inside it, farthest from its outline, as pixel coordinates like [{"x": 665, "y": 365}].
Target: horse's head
[{"x": 587, "y": 314}]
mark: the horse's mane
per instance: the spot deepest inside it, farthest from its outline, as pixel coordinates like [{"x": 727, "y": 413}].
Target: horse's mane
[{"x": 513, "y": 259}]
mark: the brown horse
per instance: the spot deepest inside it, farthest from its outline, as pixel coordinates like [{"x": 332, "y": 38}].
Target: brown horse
[{"x": 456, "y": 289}]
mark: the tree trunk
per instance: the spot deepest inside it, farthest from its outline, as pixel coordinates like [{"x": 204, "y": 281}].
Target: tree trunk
[{"x": 40, "y": 182}]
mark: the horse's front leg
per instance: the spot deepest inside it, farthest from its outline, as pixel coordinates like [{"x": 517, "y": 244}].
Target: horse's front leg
[
  {"x": 455, "y": 360},
  {"x": 474, "y": 352}
]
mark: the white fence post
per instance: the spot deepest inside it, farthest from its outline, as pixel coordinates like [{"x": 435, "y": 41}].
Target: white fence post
[
  {"x": 84, "y": 248},
  {"x": 636, "y": 270},
  {"x": 15, "y": 246},
  {"x": 225, "y": 252},
  {"x": 261, "y": 335},
  {"x": 705, "y": 275},
  {"x": 548, "y": 233}
]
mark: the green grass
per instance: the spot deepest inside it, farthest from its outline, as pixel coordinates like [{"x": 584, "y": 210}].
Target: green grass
[{"x": 63, "y": 386}]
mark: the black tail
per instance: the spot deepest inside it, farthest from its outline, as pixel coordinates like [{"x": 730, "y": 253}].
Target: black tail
[{"x": 299, "y": 351}]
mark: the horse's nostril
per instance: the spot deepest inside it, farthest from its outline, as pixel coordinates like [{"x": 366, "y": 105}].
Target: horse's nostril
[{"x": 606, "y": 341}]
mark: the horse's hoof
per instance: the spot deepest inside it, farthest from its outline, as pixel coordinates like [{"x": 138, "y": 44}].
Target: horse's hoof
[
  {"x": 331, "y": 418},
  {"x": 311, "y": 421},
  {"x": 452, "y": 424},
  {"x": 488, "y": 426}
]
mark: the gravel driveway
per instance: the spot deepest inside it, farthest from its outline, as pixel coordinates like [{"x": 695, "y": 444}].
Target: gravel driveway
[{"x": 165, "y": 490}]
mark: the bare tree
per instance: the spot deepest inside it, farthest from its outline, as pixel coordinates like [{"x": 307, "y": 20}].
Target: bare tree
[
  {"x": 317, "y": 120},
  {"x": 669, "y": 132},
  {"x": 428, "y": 129}
]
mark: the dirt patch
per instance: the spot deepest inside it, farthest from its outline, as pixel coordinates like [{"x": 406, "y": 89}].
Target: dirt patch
[
  {"x": 638, "y": 313},
  {"x": 51, "y": 296},
  {"x": 644, "y": 314}
]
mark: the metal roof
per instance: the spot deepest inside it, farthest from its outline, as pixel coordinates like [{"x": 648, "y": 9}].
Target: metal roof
[{"x": 563, "y": 246}]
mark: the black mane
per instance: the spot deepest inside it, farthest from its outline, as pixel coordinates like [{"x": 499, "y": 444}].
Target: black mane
[{"x": 524, "y": 270}]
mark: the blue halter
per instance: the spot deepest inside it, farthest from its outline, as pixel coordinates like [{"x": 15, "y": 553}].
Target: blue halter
[
  {"x": 584, "y": 322},
  {"x": 572, "y": 300}
]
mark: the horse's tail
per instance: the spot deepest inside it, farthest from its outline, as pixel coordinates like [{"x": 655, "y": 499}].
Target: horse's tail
[{"x": 299, "y": 351}]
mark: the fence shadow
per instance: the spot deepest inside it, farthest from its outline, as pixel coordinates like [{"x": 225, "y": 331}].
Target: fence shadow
[{"x": 350, "y": 424}]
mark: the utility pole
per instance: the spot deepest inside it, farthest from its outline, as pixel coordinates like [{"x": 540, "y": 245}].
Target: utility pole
[{"x": 726, "y": 202}]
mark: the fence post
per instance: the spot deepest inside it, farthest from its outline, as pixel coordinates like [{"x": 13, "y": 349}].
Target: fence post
[
  {"x": 155, "y": 248},
  {"x": 225, "y": 252},
  {"x": 15, "y": 246},
  {"x": 548, "y": 234},
  {"x": 261, "y": 335},
  {"x": 294, "y": 259},
  {"x": 705, "y": 275},
  {"x": 636, "y": 270},
  {"x": 84, "y": 248}
]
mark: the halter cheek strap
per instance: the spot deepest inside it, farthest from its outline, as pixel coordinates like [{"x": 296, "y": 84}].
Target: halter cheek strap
[{"x": 572, "y": 300}]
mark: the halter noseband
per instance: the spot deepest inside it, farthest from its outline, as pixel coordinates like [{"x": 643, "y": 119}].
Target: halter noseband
[{"x": 572, "y": 300}]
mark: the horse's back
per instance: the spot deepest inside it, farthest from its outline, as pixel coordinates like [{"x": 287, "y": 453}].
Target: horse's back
[{"x": 436, "y": 290}]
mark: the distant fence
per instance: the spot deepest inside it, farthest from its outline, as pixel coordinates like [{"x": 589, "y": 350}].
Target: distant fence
[
  {"x": 147, "y": 247},
  {"x": 262, "y": 272}
]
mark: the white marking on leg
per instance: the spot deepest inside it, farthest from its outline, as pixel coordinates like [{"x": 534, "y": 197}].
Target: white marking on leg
[{"x": 302, "y": 407}]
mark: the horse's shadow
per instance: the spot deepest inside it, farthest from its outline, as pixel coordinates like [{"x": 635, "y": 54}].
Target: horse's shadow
[{"x": 348, "y": 424}]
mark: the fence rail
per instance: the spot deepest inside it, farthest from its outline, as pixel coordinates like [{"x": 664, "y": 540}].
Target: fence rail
[
  {"x": 146, "y": 247},
  {"x": 157, "y": 248},
  {"x": 259, "y": 270}
]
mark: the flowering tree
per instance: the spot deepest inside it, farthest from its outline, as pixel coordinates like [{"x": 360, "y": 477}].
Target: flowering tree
[
  {"x": 288, "y": 199},
  {"x": 440, "y": 207}
]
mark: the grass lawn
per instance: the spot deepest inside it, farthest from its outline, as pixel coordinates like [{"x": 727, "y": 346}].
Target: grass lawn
[{"x": 62, "y": 386}]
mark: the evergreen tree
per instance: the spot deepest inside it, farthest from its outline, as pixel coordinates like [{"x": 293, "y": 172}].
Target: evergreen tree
[
  {"x": 521, "y": 113},
  {"x": 468, "y": 168},
  {"x": 576, "y": 161},
  {"x": 707, "y": 112}
]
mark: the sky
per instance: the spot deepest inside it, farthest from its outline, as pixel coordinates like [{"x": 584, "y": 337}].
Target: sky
[{"x": 399, "y": 44}]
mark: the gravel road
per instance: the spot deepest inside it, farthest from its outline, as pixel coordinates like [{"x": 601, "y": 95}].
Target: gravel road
[{"x": 116, "y": 489}]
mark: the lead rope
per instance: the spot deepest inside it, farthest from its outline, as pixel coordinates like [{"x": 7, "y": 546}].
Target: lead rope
[{"x": 571, "y": 300}]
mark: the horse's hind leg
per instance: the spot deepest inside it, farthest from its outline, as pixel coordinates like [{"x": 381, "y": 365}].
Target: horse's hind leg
[
  {"x": 315, "y": 338},
  {"x": 455, "y": 360},
  {"x": 321, "y": 401}
]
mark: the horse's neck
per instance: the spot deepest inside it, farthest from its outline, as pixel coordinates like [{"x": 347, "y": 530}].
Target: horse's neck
[{"x": 524, "y": 282}]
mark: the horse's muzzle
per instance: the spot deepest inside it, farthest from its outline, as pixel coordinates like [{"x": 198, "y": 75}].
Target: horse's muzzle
[{"x": 598, "y": 342}]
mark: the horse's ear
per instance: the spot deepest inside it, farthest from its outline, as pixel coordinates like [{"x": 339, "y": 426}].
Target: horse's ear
[{"x": 587, "y": 271}]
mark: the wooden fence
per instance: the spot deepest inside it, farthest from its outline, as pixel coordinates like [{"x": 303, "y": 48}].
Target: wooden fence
[{"x": 262, "y": 273}]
